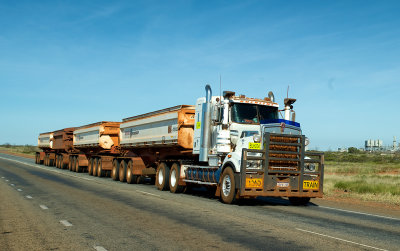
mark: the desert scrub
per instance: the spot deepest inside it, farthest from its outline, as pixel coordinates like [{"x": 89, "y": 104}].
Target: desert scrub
[
  {"x": 374, "y": 185},
  {"x": 360, "y": 168},
  {"x": 370, "y": 187}
]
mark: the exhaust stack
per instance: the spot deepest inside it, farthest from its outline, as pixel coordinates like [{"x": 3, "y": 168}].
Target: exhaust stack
[{"x": 205, "y": 126}]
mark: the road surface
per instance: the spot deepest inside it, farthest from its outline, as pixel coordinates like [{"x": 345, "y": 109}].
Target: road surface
[{"x": 44, "y": 208}]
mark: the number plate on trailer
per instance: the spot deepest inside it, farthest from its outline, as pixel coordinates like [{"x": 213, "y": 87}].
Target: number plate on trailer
[
  {"x": 254, "y": 182},
  {"x": 311, "y": 184},
  {"x": 282, "y": 184}
]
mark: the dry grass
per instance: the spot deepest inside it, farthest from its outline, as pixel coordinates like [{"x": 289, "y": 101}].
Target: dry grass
[
  {"x": 25, "y": 149},
  {"x": 369, "y": 181}
]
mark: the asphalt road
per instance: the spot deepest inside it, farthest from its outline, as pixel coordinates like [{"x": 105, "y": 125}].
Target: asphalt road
[{"x": 44, "y": 208}]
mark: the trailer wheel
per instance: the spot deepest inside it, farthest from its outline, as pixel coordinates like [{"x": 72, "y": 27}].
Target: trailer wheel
[
  {"x": 228, "y": 191},
  {"x": 162, "y": 176},
  {"x": 115, "y": 170},
  {"x": 62, "y": 166},
  {"x": 174, "y": 179},
  {"x": 94, "y": 166},
  {"x": 122, "y": 171},
  {"x": 100, "y": 172},
  {"x": 78, "y": 168},
  {"x": 51, "y": 161},
  {"x": 299, "y": 201}
]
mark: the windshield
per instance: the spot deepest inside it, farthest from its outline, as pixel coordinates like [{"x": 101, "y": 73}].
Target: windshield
[{"x": 252, "y": 114}]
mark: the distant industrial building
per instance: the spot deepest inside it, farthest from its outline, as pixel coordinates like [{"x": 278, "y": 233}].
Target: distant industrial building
[{"x": 374, "y": 145}]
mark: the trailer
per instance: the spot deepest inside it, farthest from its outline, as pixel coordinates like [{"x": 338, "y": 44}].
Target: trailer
[
  {"x": 63, "y": 146},
  {"x": 153, "y": 139},
  {"x": 97, "y": 143},
  {"x": 47, "y": 155}
]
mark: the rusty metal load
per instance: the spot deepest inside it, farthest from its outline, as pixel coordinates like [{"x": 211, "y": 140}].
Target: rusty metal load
[
  {"x": 170, "y": 127},
  {"x": 63, "y": 139}
]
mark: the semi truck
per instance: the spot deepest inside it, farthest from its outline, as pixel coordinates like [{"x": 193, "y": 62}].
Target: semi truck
[{"x": 241, "y": 147}]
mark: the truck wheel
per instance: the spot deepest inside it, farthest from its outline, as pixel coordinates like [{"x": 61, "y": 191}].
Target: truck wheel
[
  {"x": 100, "y": 172},
  {"x": 162, "y": 176},
  {"x": 115, "y": 170},
  {"x": 174, "y": 179},
  {"x": 45, "y": 159},
  {"x": 62, "y": 166},
  {"x": 130, "y": 178},
  {"x": 76, "y": 163},
  {"x": 69, "y": 163},
  {"x": 51, "y": 161},
  {"x": 94, "y": 166},
  {"x": 228, "y": 191},
  {"x": 90, "y": 166},
  {"x": 299, "y": 201},
  {"x": 122, "y": 171},
  {"x": 78, "y": 168}
]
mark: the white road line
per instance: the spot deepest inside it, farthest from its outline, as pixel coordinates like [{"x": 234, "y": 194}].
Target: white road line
[
  {"x": 29, "y": 197},
  {"x": 19, "y": 190},
  {"x": 66, "y": 223},
  {"x": 2, "y": 177},
  {"x": 43, "y": 207},
  {"x": 339, "y": 239},
  {"x": 355, "y": 212},
  {"x": 143, "y": 192},
  {"x": 99, "y": 248},
  {"x": 7, "y": 180},
  {"x": 44, "y": 168},
  {"x": 12, "y": 184}
]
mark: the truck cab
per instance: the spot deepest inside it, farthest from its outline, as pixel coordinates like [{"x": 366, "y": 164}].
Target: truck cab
[{"x": 252, "y": 150}]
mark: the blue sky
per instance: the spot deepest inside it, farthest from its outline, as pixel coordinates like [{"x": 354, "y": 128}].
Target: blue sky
[{"x": 71, "y": 63}]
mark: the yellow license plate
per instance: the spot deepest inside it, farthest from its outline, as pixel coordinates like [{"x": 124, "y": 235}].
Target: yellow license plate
[
  {"x": 310, "y": 184},
  {"x": 256, "y": 146},
  {"x": 254, "y": 182}
]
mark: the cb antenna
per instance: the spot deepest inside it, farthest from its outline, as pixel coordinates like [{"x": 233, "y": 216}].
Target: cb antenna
[
  {"x": 287, "y": 93},
  {"x": 220, "y": 89}
]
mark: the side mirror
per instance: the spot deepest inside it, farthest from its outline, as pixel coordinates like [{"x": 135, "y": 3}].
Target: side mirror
[{"x": 216, "y": 114}]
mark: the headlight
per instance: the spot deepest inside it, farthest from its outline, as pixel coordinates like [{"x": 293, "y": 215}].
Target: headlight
[
  {"x": 253, "y": 164},
  {"x": 309, "y": 167},
  {"x": 307, "y": 141},
  {"x": 257, "y": 138}
]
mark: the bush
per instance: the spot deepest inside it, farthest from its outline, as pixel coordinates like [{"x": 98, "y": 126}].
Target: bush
[{"x": 353, "y": 150}]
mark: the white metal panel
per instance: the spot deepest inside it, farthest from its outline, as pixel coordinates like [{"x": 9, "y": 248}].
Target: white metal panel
[
  {"x": 152, "y": 119},
  {"x": 87, "y": 136},
  {"x": 44, "y": 140},
  {"x": 161, "y": 129}
]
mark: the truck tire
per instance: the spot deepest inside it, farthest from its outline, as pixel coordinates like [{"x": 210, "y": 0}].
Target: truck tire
[
  {"x": 70, "y": 163},
  {"x": 228, "y": 191},
  {"x": 299, "y": 201},
  {"x": 45, "y": 159},
  {"x": 90, "y": 166},
  {"x": 122, "y": 171},
  {"x": 78, "y": 168},
  {"x": 62, "y": 166},
  {"x": 115, "y": 170},
  {"x": 94, "y": 168},
  {"x": 162, "y": 176},
  {"x": 100, "y": 172},
  {"x": 131, "y": 178},
  {"x": 76, "y": 163},
  {"x": 174, "y": 176},
  {"x": 51, "y": 161}
]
